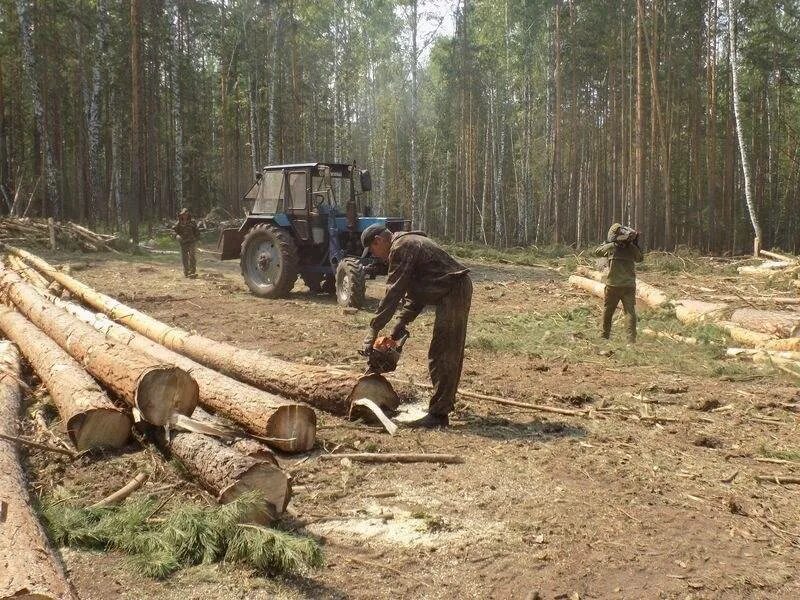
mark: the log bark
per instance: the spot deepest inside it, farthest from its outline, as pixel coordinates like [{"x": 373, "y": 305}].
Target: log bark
[
  {"x": 696, "y": 311},
  {"x": 780, "y": 324},
  {"x": 158, "y": 390},
  {"x": 28, "y": 566},
  {"x": 254, "y": 449},
  {"x": 290, "y": 426},
  {"x": 228, "y": 474},
  {"x": 328, "y": 389},
  {"x": 90, "y": 418}
]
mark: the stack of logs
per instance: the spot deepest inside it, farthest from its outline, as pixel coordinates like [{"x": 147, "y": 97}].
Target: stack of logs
[{"x": 106, "y": 370}]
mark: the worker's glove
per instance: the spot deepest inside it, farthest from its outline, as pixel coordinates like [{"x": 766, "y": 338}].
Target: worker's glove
[
  {"x": 369, "y": 342},
  {"x": 177, "y": 237},
  {"x": 399, "y": 331}
]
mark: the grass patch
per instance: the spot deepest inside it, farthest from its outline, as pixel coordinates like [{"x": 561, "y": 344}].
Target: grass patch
[
  {"x": 187, "y": 536},
  {"x": 573, "y": 334},
  {"x": 793, "y": 455}
]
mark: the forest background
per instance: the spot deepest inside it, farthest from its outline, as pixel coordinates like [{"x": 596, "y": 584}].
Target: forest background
[{"x": 504, "y": 122}]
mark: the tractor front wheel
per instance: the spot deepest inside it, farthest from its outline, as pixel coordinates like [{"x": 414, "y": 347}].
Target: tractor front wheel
[
  {"x": 269, "y": 261},
  {"x": 351, "y": 283}
]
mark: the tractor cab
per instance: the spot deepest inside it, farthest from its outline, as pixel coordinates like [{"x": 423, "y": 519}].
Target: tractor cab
[{"x": 306, "y": 219}]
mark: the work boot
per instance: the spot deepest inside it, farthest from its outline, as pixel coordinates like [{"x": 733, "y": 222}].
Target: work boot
[
  {"x": 430, "y": 421},
  {"x": 192, "y": 276}
]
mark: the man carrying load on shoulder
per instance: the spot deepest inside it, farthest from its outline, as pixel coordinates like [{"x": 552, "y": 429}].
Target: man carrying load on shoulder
[{"x": 622, "y": 251}]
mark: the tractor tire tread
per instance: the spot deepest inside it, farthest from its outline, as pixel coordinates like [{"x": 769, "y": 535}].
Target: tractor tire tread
[{"x": 288, "y": 251}]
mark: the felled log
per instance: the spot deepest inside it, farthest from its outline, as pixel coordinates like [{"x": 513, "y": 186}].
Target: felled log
[
  {"x": 649, "y": 294},
  {"x": 745, "y": 336},
  {"x": 158, "y": 390},
  {"x": 778, "y": 257},
  {"x": 254, "y": 449},
  {"x": 228, "y": 474},
  {"x": 781, "y": 324},
  {"x": 289, "y": 426},
  {"x": 589, "y": 285},
  {"x": 783, "y": 344},
  {"x": 696, "y": 311},
  {"x": 768, "y": 268},
  {"x": 28, "y": 566},
  {"x": 28, "y": 273},
  {"x": 768, "y": 354},
  {"x": 90, "y": 418},
  {"x": 585, "y": 271},
  {"x": 328, "y": 389}
]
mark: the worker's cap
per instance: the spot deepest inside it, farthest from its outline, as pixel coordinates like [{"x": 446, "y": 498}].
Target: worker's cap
[
  {"x": 184, "y": 211},
  {"x": 369, "y": 234}
]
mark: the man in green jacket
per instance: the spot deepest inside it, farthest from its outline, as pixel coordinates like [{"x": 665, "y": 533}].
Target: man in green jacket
[
  {"x": 622, "y": 251},
  {"x": 187, "y": 232}
]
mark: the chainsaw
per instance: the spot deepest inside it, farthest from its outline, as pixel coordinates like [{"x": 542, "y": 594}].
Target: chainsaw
[{"x": 385, "y": 354}]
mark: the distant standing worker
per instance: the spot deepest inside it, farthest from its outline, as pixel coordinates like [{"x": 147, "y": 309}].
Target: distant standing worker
[
  {"x": 421, "y": 274},
  {"x": 622, "y": 251},
  {"x": 187, "y": 233}
]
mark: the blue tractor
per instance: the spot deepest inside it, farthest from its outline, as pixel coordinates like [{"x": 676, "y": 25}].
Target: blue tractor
[{"x": 306, "y": 219}]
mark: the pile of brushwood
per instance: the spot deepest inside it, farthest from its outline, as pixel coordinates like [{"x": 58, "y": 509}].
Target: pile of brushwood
[
  {"x": 228, "y": 415},
  {"x": 47, "y": 233}
]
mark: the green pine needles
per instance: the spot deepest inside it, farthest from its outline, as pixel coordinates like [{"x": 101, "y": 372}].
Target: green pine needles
[{"x": 187, "y": 536}]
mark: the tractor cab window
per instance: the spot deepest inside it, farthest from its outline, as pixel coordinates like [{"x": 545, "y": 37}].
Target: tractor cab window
[
  {"x": 270, "y": 192},
  {"x": 298, "y": 189}
]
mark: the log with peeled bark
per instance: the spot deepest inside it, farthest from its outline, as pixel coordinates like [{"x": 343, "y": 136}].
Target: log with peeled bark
[
  {"x": 696, "y": 311},
  {"x": 778, "y": 257},
  {"x": 28, "y": 566},
  {"x": 649, "y": 294},
  {"x": 589, "y": 273},
  {"x": 228, "y": 474},
  {"x": 745, "y": 336},
  {"x": 90, "y": 418},
  {"x": 157, "y": 389},
  {"x": 589, "y": 285},
  {"x": 783, "y": 344},
  {"x": 780, "y": 324},
  {"x": 325, "y": 388},
  {"x": 289, "y": 426}
]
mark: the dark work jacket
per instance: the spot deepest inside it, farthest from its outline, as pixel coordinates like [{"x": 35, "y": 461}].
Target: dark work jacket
[
  {"x": 420, "y": 273},
  {"x": 621, "y": 259},
  {"x": 188, "y": 231}
]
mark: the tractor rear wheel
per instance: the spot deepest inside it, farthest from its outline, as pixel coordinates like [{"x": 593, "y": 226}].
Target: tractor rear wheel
[
  {"x": 269, "y": 261},
  {"x": 351, "y": 283}
]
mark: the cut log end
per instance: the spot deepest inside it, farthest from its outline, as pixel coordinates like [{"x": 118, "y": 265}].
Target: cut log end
[
  {"x": 292, "y": 428},
  {"x": 99, "y": 428},
  {"x": 377, "y": 389},
  {"x": 269, "y": 481},
  {"x": 164, "y": 391}
]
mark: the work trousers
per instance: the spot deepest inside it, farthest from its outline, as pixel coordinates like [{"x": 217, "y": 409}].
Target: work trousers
[
  {"x": 188, "y": 252},
  {"x": 613, "y": 296},
  {"x": 446, "y": 354}
]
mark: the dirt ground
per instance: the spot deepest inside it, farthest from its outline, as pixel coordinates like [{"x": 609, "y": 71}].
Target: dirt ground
[{"x": 652, "y": 495}]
